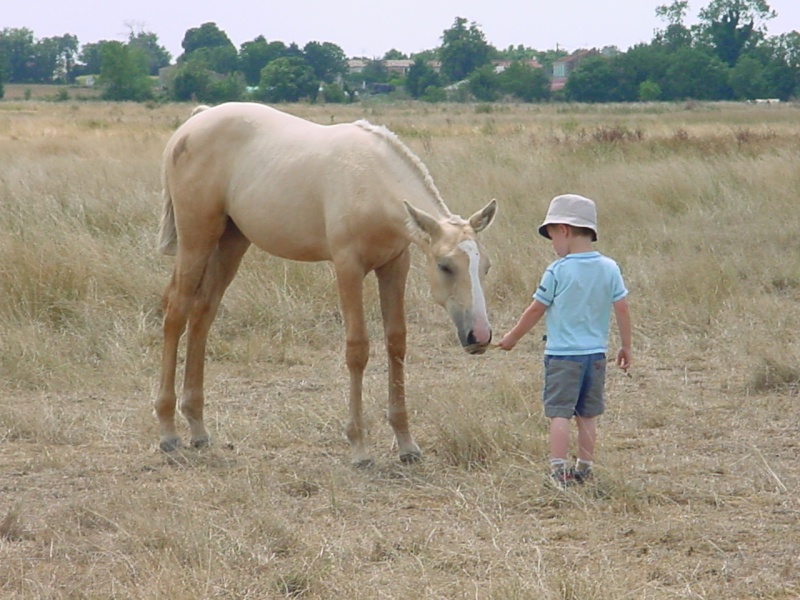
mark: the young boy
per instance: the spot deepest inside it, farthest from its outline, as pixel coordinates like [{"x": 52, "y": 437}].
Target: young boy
[{"x": 576, "y": 294}]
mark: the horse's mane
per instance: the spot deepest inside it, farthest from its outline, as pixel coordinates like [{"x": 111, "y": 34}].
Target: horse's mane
[{"x": 410, "y": 157}]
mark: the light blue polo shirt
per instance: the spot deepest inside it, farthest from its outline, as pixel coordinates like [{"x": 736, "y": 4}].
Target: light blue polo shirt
[{"x": 579, "y": 291}]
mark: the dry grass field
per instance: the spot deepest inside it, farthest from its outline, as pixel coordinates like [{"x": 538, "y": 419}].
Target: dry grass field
[
  {"x": 698, "y": 474},
  {"x": 44, "y": 92}
]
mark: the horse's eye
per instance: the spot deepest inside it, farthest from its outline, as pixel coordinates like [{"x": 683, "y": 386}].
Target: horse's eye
[{"x": 445, "y": 268}]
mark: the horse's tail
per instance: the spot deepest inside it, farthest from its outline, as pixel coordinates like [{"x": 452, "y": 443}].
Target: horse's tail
[{"x": 167, "y": 234}]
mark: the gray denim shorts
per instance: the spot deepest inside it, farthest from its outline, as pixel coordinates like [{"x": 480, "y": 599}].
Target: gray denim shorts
[{"x": 573, "y": 385}]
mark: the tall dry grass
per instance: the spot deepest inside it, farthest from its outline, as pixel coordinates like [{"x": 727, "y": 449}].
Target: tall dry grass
[{"x": 697, "y": 479}]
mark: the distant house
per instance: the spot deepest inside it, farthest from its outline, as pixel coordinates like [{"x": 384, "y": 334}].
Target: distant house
[
  {"x": 356, "y": 65},
  {"x": 399, "y": 67},
  {"x": 502, "y": 65},
  {"x": 563, "y": 67}
]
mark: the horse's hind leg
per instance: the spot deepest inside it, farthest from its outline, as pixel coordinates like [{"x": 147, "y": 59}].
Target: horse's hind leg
[
  {"x": 177, "y": 302},
  {"x": 391, "y": 284},
  {"x": 222, "y": 266}
]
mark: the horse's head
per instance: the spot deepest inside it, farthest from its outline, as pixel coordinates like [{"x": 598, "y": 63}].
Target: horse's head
[{"x": 456, "y": 268}]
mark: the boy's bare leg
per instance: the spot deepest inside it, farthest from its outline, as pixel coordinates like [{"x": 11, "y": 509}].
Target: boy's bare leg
[
  {"x": 559, "y": 437},
  {"x": 587, "y": 434}
]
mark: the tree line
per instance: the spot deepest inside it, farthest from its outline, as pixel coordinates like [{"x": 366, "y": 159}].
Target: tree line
[{"x": 728, "y": 55}]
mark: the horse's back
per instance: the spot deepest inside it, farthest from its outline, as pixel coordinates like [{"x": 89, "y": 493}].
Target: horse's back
[{"x": 284, "y": 181}]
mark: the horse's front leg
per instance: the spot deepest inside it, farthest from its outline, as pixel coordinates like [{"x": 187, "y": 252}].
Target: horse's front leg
[
  {"x": 350, "y": 282},
  {"x": 392, "y": 284}
]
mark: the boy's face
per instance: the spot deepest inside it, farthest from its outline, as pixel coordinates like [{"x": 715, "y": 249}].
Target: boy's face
[{"x": 559, "y": 235}]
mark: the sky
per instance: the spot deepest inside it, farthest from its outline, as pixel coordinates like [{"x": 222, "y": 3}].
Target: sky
[{"x": 366, "y": 28}]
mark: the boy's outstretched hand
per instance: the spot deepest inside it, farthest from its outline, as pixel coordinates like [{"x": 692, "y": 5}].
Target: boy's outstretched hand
[
  {"x": 529, "y": 318},
  {"x": 507, "y": 343}
]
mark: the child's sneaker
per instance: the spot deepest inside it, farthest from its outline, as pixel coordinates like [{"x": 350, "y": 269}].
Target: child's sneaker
[
  {"x": 562, "y": 477},
  {"x": 583, "y": 475}
]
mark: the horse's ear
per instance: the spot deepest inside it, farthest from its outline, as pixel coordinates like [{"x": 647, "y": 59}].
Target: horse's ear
[
  {"x": 421, "y": 224},
  {"x": 483, "y": 218}
]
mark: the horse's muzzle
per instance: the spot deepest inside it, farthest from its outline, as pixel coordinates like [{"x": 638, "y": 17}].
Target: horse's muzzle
[{"x": 474, "y": 347}]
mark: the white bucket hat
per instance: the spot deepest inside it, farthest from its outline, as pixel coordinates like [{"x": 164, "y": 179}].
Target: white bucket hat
[{"x": 571, "y": 209}]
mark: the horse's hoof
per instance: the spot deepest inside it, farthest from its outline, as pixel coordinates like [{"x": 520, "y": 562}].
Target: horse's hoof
[
  {"x": 409, "y": 458},
  {"x": 201, "y": 442},
  {"x": 170, "y": 444},
  {"x": 364, "y": 463}
]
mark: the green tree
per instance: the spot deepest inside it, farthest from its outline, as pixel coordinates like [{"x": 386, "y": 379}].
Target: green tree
[
  {"x": 334, "y": 94},
  {"x": 42, "y": 69},
  {"x": 123, "y": 73},
  {"x": 783, "y": 65},
  {"x": 649, "y": 91},
  {"x": 222, "y": 59},
  {"x": 191, "y": 82},
  {"x": 230, "y": 88},
  {"x": 68, "y": 56},
  {"x": 786, "y": 47},
  {"x": 518, "y": 53},
  {"x": 484, "y": 84},
  {"x": 91, "y": 58},
  {"x": 394, "y": 54},
  {"x": 731, "y": 26},
  {"x": 676, "y": 35},
  {"x": 208, "y": 35},
  {"x": 641, "y": 63},
  {"x": 425, "y": 55},
  {"x": 54, "y": 59},
  {"x": 696, "y": 74},
  {"x": 594, "y": 80},
  {"x": 420, "y": 77},
  {"x": 525, "y": 82},
  {"x": 433, "y": 93},
  {"x": 211, "y": 46},
  {"x": 294, "y": 50},
  {"x": 747, "y": 79},
  {"x": 288, "y": 79},
  {"x": 374, "y": 72},
  {"x": 17, "y": 53},
  {"x": 257, "y": 54},
  {"x": 777, "y": 58},
  {"x": 463, "y": 50},
  {"x": 157, "y": 55},
  {"x": 328, "y": 60}
]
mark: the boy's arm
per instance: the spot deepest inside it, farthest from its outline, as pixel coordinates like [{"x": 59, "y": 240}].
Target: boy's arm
[
  {"x": 623, "y": 317},
  {"x": 529, "y": 318}
]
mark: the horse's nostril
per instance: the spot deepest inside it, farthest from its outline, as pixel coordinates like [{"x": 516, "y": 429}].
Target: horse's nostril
[{"x": 471, "y": 339}]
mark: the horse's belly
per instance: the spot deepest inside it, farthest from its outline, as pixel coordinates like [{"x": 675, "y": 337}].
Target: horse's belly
[{"x": 294, "y": 238}]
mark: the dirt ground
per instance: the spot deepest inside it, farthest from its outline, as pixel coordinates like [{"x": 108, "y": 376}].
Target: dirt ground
[{"x": 696, "y": 495}]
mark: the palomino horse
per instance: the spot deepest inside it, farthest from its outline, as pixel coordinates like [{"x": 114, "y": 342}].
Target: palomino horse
[{"x": 241, "y": 174}]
